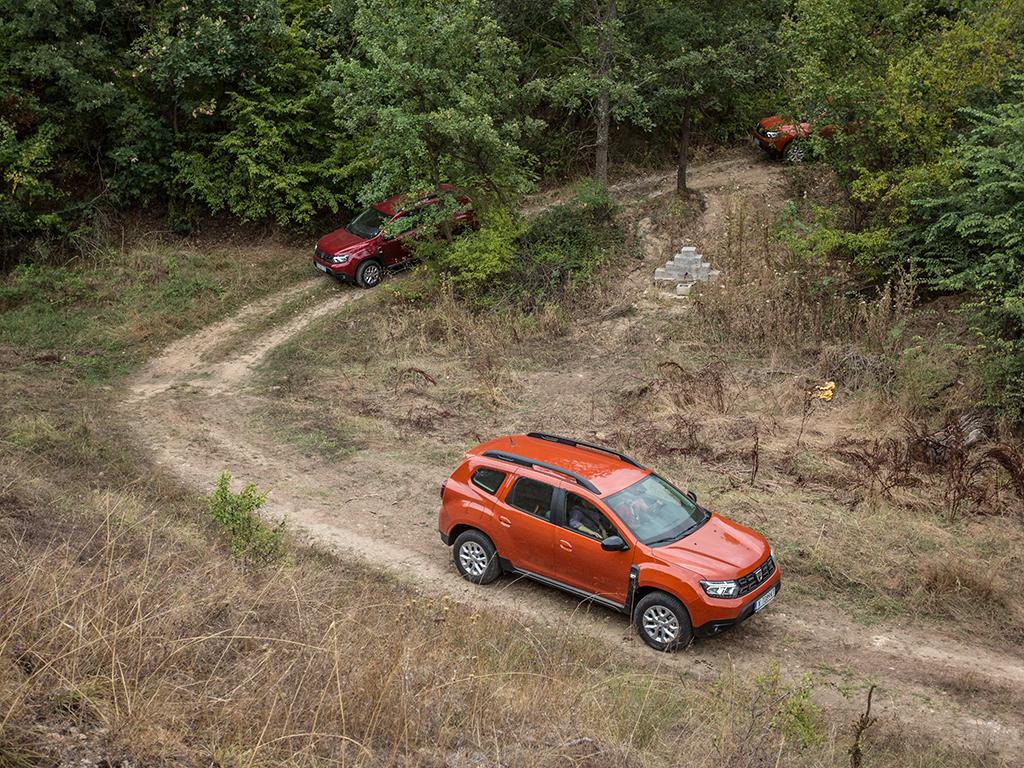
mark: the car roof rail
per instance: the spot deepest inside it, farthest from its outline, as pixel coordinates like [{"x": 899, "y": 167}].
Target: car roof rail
[
  {"x": 579, "y": 444},
  {"x": 522, "y": 461}
]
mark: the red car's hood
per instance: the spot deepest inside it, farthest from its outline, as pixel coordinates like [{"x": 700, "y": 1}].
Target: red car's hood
[
  {"x": 776, "y": 123},
  {"x": 719, "y": 550},
  {"x": 340, "y": 241}
]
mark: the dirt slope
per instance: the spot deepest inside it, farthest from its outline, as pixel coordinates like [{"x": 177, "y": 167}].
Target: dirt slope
[{"x": 199, "y": 419}]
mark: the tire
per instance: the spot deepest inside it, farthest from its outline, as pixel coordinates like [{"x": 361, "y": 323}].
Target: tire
[
  {"x": 793, "y": 152},
  {"x": 369, "y": 273},
  {"x": 475, "y": 557},
  {"x": 662, "y": 622}
]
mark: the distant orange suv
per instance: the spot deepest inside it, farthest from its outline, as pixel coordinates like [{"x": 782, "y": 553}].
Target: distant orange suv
[{"x": 597, "y": 524}]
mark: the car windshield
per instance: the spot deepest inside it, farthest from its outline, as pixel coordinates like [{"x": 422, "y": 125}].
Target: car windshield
[
  {"x": 657, "y": 512},
  {"x": 368, "y": 224}
]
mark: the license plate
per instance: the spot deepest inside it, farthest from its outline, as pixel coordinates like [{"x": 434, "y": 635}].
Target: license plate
[
  {"x": 764, "y": 599},
  {"x": 321, "y": 267}
]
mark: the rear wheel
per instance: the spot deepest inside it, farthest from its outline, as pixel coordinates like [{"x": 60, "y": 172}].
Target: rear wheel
[
  {"x": 662, "y": 621},
  {"x": 476, "y": 557},
  {"x": 369, "y": 273}
]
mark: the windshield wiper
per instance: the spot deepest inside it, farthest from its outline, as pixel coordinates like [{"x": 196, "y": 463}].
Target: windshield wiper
[
  {"x": 676, "y": 537},
  {"x": 684, "y": 534},
  {"x": 665, "y": 540}
]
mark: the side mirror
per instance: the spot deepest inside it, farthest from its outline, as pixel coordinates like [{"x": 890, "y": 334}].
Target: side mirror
[{"x": 614, "y": 544}]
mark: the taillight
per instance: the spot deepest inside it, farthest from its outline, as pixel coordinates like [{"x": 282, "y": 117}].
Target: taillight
[{"x": 442, "y": 488}]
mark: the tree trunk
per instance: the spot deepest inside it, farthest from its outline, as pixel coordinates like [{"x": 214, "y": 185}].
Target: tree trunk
[
  {"x": 684, "y": 147},
  {"x": 603, "y": 129},
  {"x": 604, "y": 109}
]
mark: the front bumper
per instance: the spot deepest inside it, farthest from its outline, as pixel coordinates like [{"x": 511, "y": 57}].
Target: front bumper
[
  {"x": 765, "y": 144},
  {"x": 340, "y": 271},
  {"x": 717, "y": 626}
]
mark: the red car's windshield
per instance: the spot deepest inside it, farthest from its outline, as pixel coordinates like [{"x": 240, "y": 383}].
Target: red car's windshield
[{"x": 368, "y": 224}]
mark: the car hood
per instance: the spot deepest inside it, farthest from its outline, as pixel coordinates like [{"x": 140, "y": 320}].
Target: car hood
[
  {"x": 777, "y": 123},
  {"x": 718, "y": 551},
  {"x": 340, "y": 241}
]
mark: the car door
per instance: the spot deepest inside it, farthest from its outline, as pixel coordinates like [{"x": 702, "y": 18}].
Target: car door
[
  {"x": 579, "y": 559},
  {"x": 524, "y": 525},
  {"x": 393, "y": 240}
]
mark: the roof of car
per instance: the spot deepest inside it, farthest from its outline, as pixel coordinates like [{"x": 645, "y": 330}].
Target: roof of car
[
  {"x": 601, "y": 470},
  {"x": 398, "y": 203}
]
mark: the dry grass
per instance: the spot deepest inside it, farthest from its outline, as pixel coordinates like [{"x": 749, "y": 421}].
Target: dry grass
[
  {"x": 122, "y": 641},
  {"x": 718, "y": 396},
  {"x": 125, "y": 636}
]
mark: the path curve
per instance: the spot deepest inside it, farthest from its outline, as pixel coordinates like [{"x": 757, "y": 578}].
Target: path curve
[{"x": 191, "y": 406}]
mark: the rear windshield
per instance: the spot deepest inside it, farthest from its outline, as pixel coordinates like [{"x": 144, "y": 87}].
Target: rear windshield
[{"x": 368, "y": 224}]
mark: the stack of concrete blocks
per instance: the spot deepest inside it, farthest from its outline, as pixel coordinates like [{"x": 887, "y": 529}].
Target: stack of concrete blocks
[{"x": 685, "y": 268}]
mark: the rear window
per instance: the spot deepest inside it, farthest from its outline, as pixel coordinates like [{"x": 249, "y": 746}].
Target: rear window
[{"x": 489, "y": 479}]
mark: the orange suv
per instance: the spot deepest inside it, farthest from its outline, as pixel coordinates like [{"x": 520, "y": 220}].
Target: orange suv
[{"x": 597, "y": 524}]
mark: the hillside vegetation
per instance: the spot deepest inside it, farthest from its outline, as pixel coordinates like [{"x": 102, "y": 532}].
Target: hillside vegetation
[
  {"x": 228, "y": 556},
  {"x": 136, "y": 630}
]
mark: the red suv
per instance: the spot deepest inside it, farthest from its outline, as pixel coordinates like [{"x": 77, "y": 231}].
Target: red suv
[
  {"x": 377, "y": 238},
  {"x": 787, "y": 141},
  {"x": 595, "y": 523}
]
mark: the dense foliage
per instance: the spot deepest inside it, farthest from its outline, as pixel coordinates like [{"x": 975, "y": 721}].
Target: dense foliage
[{"x": 288, "y": 112}]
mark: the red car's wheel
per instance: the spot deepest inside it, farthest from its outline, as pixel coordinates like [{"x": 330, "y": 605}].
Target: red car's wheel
[
  {"x": 369, "y": 273},
  {"x": 793, "y": 152}
]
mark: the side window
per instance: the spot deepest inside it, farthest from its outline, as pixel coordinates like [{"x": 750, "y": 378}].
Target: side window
[
  {"x": 489, "y": 479},
  {"x": 531, "y": 496},
  {"x": 402, "y": 224},
  {"x": 407, "y": 221},
  {"x": 584, "y": 517}
]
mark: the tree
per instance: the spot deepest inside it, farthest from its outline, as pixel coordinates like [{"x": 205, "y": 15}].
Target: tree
[
  {"x": 61, "y": 95},
  {"x": 589, "y": 67},
  {"x": 439, "y": 86},
  {"x": 972, "y": 226},
  {"x": 701, "y": 55},
  {"x": 904, "y": 71},
  {"x": 968, "y": 235}
]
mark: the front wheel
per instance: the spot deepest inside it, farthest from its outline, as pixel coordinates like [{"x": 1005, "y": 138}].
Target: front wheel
[
  {"x": 662, "y": 621},
  {"x": 369, "y": 273},
  {"x": 794, "y": 152},
  {"x": 475, "y": 557}
]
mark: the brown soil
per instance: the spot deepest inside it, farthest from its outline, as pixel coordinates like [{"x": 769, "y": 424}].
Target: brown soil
[{"x": 199, "y": 419}]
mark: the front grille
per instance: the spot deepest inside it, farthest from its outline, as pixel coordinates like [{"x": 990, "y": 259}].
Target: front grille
[
  {"x": 320, "y": 254},
  {"x": 757, "y": 577}
]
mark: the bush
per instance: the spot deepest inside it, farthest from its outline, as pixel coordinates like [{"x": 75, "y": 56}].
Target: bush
[
  {"x": 563, "y": 246},
  {"x": 479, "y": 262},
  {"x": 255, "y": 542}
]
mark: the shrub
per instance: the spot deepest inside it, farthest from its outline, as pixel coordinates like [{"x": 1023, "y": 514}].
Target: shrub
[
  {"x": 255, "y": 542},
  {"x": 479, "y": 260}
]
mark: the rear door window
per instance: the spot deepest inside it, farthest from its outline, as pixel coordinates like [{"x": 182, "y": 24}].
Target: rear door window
[{"x": 531, "y": 496}]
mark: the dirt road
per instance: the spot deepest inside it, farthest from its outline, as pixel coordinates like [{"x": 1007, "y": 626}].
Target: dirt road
[{"x": 195, "y": 413}]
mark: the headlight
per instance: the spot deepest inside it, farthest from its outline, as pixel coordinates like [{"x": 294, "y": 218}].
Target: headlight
[
  {"x": 340, "y": 259},
  {"x": 772, "y": 134},
  {"x": 721, "y": 588}
]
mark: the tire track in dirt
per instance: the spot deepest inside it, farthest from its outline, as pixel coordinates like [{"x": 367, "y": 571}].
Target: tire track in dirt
[{"x": 192, "y": 408}]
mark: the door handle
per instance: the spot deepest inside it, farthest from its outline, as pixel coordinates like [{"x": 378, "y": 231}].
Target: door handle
[
  {"x": 565, "y": 545},
  {"x": 504, "y": 521}
]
